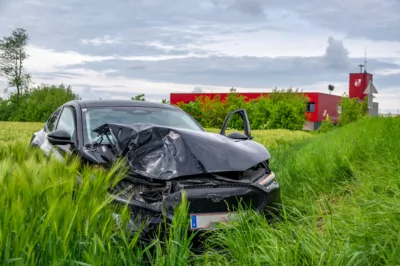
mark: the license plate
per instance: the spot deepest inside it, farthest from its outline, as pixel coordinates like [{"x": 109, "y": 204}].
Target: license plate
[{"x": 209, "y": 220}]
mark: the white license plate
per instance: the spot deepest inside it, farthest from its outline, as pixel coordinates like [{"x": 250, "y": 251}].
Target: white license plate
[{"x": 209, "y": 220}]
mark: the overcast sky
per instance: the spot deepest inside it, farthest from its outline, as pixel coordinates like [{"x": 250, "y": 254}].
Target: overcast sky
[{"x": 118, "y": 49}]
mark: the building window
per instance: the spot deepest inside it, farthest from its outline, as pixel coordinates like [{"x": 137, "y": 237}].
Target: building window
[{"x": 311, "y": 107}]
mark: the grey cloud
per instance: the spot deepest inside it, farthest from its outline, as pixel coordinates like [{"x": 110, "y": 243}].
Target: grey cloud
[
  {"x": 381, "y": 82},
  {"x": 247, "y": 7},
  {"x": 197, "y": 90},
  {"x": 184, "y": 24},
  {"x": 54, "y": 75},
  {"x": 180, "y": 25},
  {"x": 372, "y": 19},
  {"x": 241, "y": 72},
  {"x": 137, "y": 67},
  {"x": 125, "y": 48},
  {"x": 251, "y": 7},
  {"x": 64, "y": 24},
  {"x": 336, "y": 55}
]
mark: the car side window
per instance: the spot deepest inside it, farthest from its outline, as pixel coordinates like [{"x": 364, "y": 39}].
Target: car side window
[
  {"x": 51, "y": 123},
  {"x": 67, "y": 121}
]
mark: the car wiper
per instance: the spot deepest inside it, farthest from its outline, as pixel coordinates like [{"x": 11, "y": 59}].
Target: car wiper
[{"x": 99, "y": 141}]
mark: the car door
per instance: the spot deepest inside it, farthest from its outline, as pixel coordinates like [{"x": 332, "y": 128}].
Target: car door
[
  {"x": 39, "y": 138},
  {"x": 67, "y": 122},
  {"x": 246, "y": 126}
]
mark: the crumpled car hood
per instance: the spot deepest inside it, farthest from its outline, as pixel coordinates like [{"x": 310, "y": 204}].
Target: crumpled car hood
[{"x": 166, "y": 153}]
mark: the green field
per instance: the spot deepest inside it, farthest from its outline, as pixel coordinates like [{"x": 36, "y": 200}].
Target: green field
[{"x": 341, "y": 194}]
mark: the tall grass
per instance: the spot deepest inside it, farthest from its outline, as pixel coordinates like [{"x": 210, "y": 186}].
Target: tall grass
[
  {"x": 47, "y": 218},
  {"x": 341, "y": 195},
  {"x": 341, "y": 192}
]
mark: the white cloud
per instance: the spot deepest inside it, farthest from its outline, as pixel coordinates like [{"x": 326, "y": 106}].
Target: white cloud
[
  {"x": 48, "y": 60},
  {"x": 106, "y": 39},
  {"x": 3, "y": 85},
  {"x": 389, "y": 100},
  {"x": 272, "y": 43}
]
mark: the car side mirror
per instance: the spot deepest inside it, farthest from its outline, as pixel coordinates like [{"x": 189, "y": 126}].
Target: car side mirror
[
  {"x": 246, "y": 125},
  {"x": 59, "y": 137}
]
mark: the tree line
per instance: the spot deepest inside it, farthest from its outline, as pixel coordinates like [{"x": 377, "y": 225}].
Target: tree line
[{"x": 284, "y": 109}]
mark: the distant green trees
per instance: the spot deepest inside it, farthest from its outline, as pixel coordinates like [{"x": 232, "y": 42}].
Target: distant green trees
[
  {"x": 281, "y": 109},
  {"x": 139, "y": 97},
  {"x": 36, "y": 104}
]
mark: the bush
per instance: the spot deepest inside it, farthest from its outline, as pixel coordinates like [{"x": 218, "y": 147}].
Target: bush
[
  {"x": 280, "y": 109},
  {"x": 288, "y": 110},
  {"x": 36, "y": 105},
  {"x": 327, "y": 125},
  {"x": 352, "y": 110}
]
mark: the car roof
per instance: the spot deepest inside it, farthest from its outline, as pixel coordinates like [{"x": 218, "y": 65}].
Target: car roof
[{"x": 116, "y": 103}]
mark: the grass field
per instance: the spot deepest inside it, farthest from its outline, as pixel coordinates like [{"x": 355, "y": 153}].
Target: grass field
[
  {"x": 15, "y": 131},
  {"x": 341, "y": 193}
]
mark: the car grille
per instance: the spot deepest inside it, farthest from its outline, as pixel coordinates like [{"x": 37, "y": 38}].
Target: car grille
[{"x": 222, "y": 198}]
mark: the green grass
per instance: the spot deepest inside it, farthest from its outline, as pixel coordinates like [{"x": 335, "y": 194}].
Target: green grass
[
  {"x": 22, "y": 131},
  {"x": 341, "y": 193},
  {"x": 273, "y": 138},
  {"x": 342, "y": 196},
  {"x": 17, "y": 131}
]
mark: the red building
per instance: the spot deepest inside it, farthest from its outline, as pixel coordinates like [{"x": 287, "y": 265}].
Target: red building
[{"x": 319, "y": 105}]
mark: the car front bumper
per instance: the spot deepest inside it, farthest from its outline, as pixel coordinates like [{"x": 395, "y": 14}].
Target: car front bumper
[{"x": 208, "y": 204}]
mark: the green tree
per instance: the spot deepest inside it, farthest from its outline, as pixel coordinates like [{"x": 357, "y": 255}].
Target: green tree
[
  {"x": 287, "y": 109},
  {"x": 139, "y": 97},
  {"x": 5, "y": 110},
  {"x": 213, "y": 111},
  {"x": 12, "y": 56},
  {"x": 165, "y": 101},
  {"x": 259, "y": 112},
  {"x": 193, "y": 109},
  {"x": 352, "y": 109}
]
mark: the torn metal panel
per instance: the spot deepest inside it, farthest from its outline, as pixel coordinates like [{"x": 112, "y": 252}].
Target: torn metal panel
[{"x": 165, "y": 153}]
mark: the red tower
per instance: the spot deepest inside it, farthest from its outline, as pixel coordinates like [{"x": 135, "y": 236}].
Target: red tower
[{"x": 358, "y": 82}]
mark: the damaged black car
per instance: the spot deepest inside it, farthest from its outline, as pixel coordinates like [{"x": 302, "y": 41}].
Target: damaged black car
[{"x": 168, "y": 153}]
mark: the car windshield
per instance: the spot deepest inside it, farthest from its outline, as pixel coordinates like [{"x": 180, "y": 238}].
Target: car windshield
[{"x": 97, "y": 116}]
